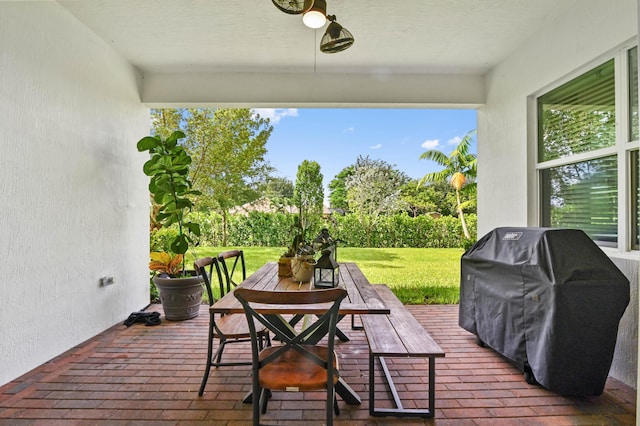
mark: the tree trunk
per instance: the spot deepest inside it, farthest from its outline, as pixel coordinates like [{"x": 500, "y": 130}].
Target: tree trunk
[
  {"x": 224, "y": 228},
  {"x": 461, "y": 214}
]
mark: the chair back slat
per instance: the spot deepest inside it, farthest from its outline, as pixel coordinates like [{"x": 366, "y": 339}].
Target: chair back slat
[
  {"x": 305, "y": 297},
  {"x": 200, "y": 265},
  {"x": 296, "y": 341},
  {"x": 233, "y": 279}
]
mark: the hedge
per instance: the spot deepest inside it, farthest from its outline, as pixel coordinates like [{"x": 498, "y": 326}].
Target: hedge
[{"x": 275, "y": 230}]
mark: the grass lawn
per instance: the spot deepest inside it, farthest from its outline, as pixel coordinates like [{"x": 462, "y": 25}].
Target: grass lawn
[{"x": 416, "y": 275}]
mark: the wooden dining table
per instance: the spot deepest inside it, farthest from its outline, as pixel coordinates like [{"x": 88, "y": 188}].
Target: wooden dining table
[{"x": 362, "y": 299}]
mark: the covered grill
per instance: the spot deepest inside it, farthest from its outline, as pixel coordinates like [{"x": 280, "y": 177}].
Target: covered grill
[{"x": 548, "y": 299}]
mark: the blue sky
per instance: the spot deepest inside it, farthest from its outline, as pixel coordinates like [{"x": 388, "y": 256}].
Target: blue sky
[{"x": 335, "y": 137}]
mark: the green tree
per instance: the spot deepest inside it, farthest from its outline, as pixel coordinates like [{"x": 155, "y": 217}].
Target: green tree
[
  {"x": 234, "y": 165},
  {"x": 228, "y": 149},
  {"x": 279, "y": 191},
  {"x": 373, "y": 190},
  {"x": 469, "y": 196},
  {"x": 308, "y": 194},
  {"x": 338, "y": 190},
  {"x": 437, "y": 197},
  {"x": 459, "y": 170},
  {"x": 202, "y": 131},
  {"x": 417, "y": 199},
  {"x": 165, "y": 121}
]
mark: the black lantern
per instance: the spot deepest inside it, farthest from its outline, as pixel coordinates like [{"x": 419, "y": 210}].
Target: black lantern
[
  {"x": 326, "y": 273},
  {"x": 324, "y": 241}
]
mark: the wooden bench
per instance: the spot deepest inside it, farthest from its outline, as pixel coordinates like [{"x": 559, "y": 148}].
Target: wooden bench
[{"x": 398, "y": 335}]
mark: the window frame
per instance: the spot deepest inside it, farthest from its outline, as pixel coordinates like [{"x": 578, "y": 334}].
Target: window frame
[{"x": 623, "y": 148}]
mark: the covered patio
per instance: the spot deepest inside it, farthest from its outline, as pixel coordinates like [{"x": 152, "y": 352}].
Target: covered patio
[
  {"x": 77, "y": 80},
  {"x": 150, "y": 375}
]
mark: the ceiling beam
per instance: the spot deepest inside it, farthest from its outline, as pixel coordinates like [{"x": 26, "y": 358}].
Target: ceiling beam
[{"x": 311, "y": 90}]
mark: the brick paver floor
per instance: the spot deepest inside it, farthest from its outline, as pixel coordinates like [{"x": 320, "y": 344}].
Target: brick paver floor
[{"x": 150, "y": 376}]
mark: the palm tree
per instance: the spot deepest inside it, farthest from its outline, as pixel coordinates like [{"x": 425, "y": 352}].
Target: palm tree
[{"x": 459, "y": 168}]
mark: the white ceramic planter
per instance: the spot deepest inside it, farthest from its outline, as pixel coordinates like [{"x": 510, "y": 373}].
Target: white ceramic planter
[{"x": 302, "y": 269}]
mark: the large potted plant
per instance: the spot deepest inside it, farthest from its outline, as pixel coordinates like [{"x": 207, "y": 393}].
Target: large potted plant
[{"x": 171, "y": 189}]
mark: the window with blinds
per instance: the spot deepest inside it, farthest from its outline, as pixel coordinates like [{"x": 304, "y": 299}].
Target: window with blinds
[
  {"x": 578, "y": 116},
  {"x": 583, "y": 195},
  {"x": 583, "y": 156}
]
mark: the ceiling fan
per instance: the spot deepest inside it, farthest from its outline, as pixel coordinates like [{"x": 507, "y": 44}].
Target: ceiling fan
[{"x": 314, "y": 15}]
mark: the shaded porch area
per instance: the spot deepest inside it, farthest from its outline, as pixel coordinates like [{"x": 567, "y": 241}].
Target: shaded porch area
[{"x": 151, "y": 375}]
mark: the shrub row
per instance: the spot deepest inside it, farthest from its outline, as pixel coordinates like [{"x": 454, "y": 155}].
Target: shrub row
[
  {"x": 275, "y": 230},
  {"x": 402, "y": 230}
]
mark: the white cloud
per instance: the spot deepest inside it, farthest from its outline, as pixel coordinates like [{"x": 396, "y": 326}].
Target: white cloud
[
  {"x": 378, "y": 146},
  {"x": 349, "y": 130},
  {"x": 454, "y": 141},
  {"x": 430, "y": 144},
  {"x": 276, "y": 114}
]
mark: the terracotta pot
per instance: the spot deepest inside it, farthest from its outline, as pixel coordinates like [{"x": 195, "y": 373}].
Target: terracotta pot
[{"x": 181, "y": 297}]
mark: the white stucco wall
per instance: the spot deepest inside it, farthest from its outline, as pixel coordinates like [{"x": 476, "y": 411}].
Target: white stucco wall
[
  {"x": 585, "y": 34},
  {"x": 74, "y": 200},
  {"x": 506, "y": 149}
]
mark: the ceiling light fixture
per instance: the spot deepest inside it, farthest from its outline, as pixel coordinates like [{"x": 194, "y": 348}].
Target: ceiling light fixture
[
  {"x": 293, "y": 7},
  {"x": 316, "y": 17},
  {"x": 336, "y": 38}
]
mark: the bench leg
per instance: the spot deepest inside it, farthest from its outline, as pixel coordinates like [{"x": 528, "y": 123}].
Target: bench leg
[
  {"x": 432, "y": 385},
  {"x": 372, "y": 398},
  {"x": 399, "y": 411},
  {"x": 353, "y": 324}
]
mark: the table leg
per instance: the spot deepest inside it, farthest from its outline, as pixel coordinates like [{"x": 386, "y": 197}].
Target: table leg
[
  {"x": 343, "y": 337},
  {"x": 339, "y": 333},
  {"x": 295, "y": 319}
]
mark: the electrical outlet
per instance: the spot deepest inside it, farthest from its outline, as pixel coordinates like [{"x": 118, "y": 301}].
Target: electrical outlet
[{"x": 105, "y": 281}]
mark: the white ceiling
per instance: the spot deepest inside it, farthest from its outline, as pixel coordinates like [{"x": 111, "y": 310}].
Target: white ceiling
[{"x": 464, "y": 37}]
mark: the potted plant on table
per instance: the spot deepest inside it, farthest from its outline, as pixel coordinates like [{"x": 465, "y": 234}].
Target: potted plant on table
[
  {"x": 171, "y": 189},
  {"x": 302, "y": 264},
  {"x": 284, "y": 264},
  {"x": 301, "y": 255}
]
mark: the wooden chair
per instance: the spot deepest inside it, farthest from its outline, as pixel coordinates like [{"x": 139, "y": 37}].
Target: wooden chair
[
  {"x": 231, "y": 328},
  {"x": 235, "y": 274},
  {"x": 299, "y": 363}
]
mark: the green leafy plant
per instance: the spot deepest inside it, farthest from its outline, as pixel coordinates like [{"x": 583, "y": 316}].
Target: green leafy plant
[
  {"x": 299, "y": 246},
  {"x": 171, "y": 187},
  {"x": 164, "y": 263}
]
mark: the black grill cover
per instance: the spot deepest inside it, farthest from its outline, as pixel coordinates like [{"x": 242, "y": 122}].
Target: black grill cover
[{"x": 549, "y": 300}]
